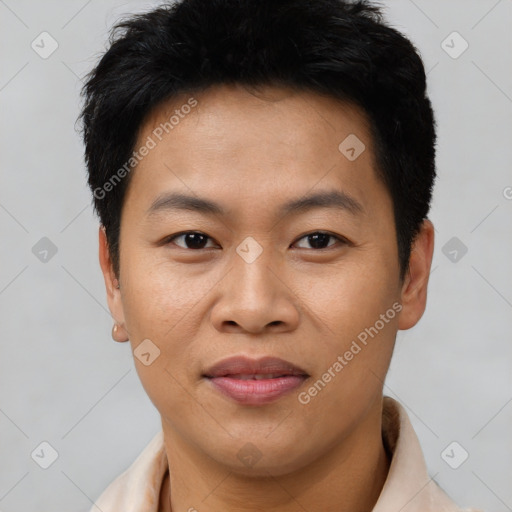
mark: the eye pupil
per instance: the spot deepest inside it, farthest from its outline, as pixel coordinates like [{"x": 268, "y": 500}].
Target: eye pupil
[
  {"x": 195, "y": 240},
  {"x": 319, "y": 240}
]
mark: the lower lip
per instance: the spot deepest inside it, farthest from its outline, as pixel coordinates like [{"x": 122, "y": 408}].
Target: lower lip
[{"x": 256, "y": 392}]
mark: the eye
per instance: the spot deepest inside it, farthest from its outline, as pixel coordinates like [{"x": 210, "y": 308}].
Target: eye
[
  {"x": 191, "y": 240},
  {"x": 320, "y": 240},
  {"x": 196, "y": 240}
]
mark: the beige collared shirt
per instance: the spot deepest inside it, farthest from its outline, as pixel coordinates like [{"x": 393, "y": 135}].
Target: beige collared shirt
[{"x": 408, "y": 488}]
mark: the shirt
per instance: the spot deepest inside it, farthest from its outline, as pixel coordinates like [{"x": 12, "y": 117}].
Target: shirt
[{"x": 407, "y": 488}]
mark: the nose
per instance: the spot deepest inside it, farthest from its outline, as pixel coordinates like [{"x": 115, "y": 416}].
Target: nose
[{"x": 256, "y": 297}]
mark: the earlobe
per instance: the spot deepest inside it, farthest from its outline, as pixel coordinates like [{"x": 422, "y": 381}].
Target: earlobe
[
  {"x": 119, "y": 334},
  {"x": 414, "y": 288},
  {"x": 112, "y": 286}
]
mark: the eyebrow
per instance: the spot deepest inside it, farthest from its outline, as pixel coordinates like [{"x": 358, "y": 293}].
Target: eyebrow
[{"x": 327, "y": 199}]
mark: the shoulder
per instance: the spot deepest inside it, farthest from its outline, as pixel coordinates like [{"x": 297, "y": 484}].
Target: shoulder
[{"x": 408, "y": 486}]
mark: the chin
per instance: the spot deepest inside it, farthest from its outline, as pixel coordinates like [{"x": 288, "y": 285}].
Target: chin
[{"x": 260, "y": 457}]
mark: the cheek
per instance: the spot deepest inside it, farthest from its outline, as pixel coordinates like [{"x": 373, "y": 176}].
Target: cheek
[
  {"x": 167, "y": 305},
  {"x": 163, "y": 307},
  {"x": 356, "y": 314},
  {"x": 349, "y": 298},
  {"x": 157, "y": 293}
]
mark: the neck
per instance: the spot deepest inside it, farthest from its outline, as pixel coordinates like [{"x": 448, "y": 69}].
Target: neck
[{"x": 349, "y": 477}]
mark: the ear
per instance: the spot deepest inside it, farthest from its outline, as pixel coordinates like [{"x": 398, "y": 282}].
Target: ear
[
  {"x": 414, "y": 288},
  {"x": 119, "y": 332}
]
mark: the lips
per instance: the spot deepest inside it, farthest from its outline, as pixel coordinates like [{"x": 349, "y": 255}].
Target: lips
[
  {"x": 255, "y": 381},
  {"x": 245, "y": 368}
]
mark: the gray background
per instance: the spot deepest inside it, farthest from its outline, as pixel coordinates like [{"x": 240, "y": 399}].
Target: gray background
[{"x": 64, "y": 381}]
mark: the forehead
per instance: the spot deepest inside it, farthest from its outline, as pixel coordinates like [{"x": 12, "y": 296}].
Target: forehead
[
  {"x": 258, "y": 113},
  {"x": 234, "y": 142}
]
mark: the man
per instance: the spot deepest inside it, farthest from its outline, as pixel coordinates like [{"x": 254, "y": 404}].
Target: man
[{"x": 263, "y": 172}]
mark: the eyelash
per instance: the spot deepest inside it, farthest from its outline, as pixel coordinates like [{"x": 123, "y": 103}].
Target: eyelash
[{"x": 340, "y": 239}]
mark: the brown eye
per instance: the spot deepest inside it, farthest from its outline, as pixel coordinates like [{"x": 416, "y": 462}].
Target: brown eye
[
  {"x": 320, "y": 240},
  {"x": 190, "y": 240}
]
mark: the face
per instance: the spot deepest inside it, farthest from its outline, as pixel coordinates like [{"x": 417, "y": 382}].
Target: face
[{"x": 284, "y": 247}]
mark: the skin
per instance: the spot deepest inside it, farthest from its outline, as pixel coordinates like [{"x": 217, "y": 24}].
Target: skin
[{"x": 251, "y": 151}]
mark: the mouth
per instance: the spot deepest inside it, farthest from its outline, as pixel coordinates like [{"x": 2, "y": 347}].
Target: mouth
[{"x": 255, "y": 381}]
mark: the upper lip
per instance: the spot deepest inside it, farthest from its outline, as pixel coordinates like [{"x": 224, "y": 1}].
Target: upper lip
[{"x": 240, "y": 365}]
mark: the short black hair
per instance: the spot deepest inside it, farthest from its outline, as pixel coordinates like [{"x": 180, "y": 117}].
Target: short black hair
[{"x": 339, "y": 48}]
